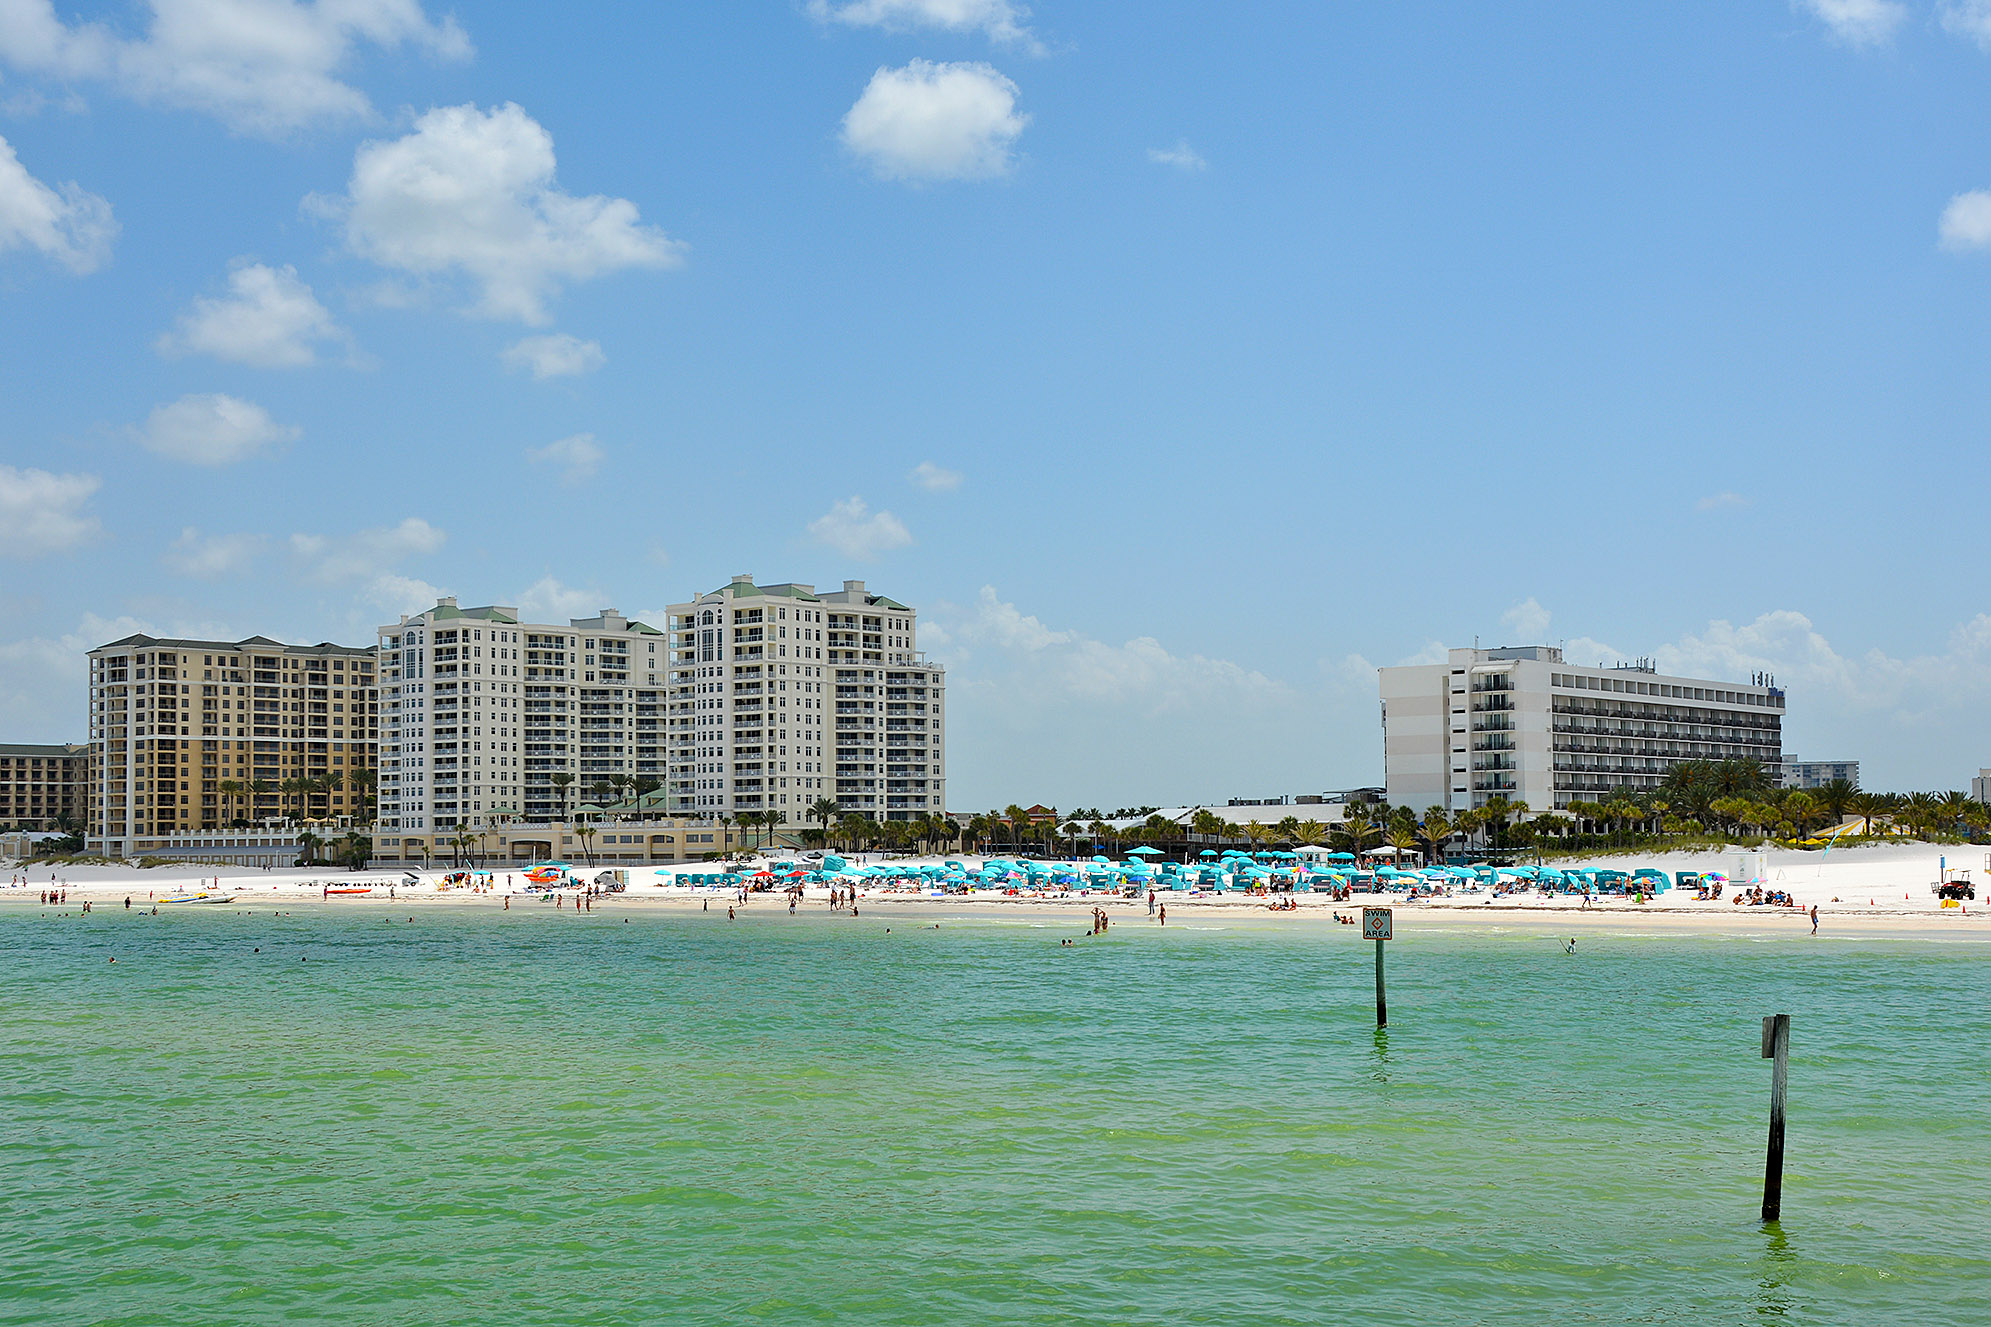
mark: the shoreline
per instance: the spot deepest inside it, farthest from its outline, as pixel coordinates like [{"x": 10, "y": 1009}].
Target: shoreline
[
  {"x": 1314, "y": 915},
  {"x": 1878, "y": 891}
]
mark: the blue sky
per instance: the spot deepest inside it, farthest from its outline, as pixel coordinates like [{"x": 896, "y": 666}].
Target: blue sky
[{"x": 1183, "y": 363}]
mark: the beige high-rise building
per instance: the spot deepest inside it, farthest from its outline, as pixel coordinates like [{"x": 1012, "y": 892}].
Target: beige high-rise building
[
  {"x": 782, "y": 697},
  {"x": 171, "y": 721},
  {"x": 40, "y": 785},
  {"x": 487, "y": 718}
]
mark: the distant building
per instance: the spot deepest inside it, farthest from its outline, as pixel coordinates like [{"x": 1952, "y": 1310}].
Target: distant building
[
  {"x": 1818, "y": 773},
  {"x": 1980, "y": 787},
  {"x": 172, "y": 721},
  {"x": 783, "y": 697},
  {"x": 484, "y": 717},
  {"x": 40, "y": 783},
  {"x": 1525, "y": 725}
]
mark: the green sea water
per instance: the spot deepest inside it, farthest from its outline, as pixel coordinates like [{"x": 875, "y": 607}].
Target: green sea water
[{"x": 492, "y": 1117}]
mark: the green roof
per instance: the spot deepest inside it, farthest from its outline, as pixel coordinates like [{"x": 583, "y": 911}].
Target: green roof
[
  {"x": 444, "y": 613},
  {"x": 882, "y": 602},
  {"x": 747, "y": 589}
]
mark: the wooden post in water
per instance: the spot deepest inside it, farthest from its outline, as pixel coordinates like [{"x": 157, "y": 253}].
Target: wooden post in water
[{"x": 1776, "y": 1049}]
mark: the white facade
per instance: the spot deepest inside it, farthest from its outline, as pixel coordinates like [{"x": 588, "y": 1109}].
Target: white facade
[
  {"x": 1524, "y": 725},
  {"x": 1818, "y": 773},
  {"x": 783, "y": 697},
  {"x": 480, "y": 712}
]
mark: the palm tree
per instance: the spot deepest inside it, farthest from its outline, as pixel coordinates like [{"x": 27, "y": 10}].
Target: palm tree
[
  {"x": 231, "y": 789},
  {"x": 561, "y": 783},
  {"x": 364, "y": 781},
  {"x": 586, "y": 834},
  {"x": 258, "y": 788},
  {"x": 822, "y": 811},
  {"x": 307, "y": 844},
  {"x": 355, "y": 850},
  {"x": 331, "y": 783},
  {"x": 1436, "y": 830},
  {"x": 1836, "y": 796},
  {"x": 1621, "y": 811},
  {"x": 462, "y": 843},
  {"x": 1868, "y": 807},
  {"x": 299, "y": 787},
  {"x": 774, "y": 819}
]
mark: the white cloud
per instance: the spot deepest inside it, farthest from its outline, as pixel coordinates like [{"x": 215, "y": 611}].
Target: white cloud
[
  {"x": 1966, "y": 222},
  {"x": 211, "y": 429},
  {"x": 548, "y": 600},
  {"x": 935, "y": 122},
  {"x": 1001, "y": 20},
  {"x": 1528, "y": 620},
  {"x": 396, "y": 594},
  {"x": 578, "y": 457},
  {"x": 1181, "y": 156},
  {"x": 1060, "y": 715},
  {"x": 472, "y": 193},
  {"x": 42, "y": 678},
  {"x": 1723, "y": 500},
  {"x": 555, "y": 356},
  {"x": 854, "y": 530},
  {"x": 260, "y": 66},
  {"x": 42, "y": 513},
  {"x": 268, "y": 320},
  {"x": 1968, "y": 18},
  {"x": 936, "y": 479},
  {"x": 1857, "y": 22},
  {"x": 365, "y": 555},
  {"x": 69, "y": 224},
  {"x": 209, "y": 557}
]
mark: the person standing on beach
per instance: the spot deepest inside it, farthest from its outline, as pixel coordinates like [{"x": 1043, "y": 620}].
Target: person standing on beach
[
  {"x": 1164, "y": 914},
  {"x": 1814, "y": 919},
  {"x": 1151, "y": 903}
]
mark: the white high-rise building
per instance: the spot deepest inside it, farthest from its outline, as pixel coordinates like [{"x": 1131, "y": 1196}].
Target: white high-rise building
[
  {"x": 1522, "y": 724},
  {"x": 783, "y": 697},
  {"x": 482, "y": 715}
]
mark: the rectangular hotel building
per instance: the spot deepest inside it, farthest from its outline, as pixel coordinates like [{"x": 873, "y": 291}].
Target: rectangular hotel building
[
  {"x": 42, "y": 784},
  {"x": 1524, "y": 725},
  {"x": 172, "y": 721},
  {"x": 782, "y": 697}
]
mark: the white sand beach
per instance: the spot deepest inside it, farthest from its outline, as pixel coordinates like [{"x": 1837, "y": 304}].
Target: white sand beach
[{"x": 1876, "y": 889}]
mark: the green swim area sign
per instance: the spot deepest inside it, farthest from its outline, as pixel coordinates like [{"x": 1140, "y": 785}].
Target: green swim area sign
[{"x": 1379, "y": 924}]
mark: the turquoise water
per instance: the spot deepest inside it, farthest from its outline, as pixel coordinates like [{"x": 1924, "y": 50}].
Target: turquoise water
[{"x": 489, "y": 1117}]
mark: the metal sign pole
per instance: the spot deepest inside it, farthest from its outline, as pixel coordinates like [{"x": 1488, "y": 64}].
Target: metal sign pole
[{"x": 1378, "y": 924}]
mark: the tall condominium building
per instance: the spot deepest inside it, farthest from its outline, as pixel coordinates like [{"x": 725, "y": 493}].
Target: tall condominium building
[
  {"x": 171, "y": 721},
  {"x": 483, "y": 716},
  {"x": 41, "y": 784},
  {"x": 782, "y": 697},
  {"x": 1818, "y": 773},
  {"x": 1524, "y": 725}
]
